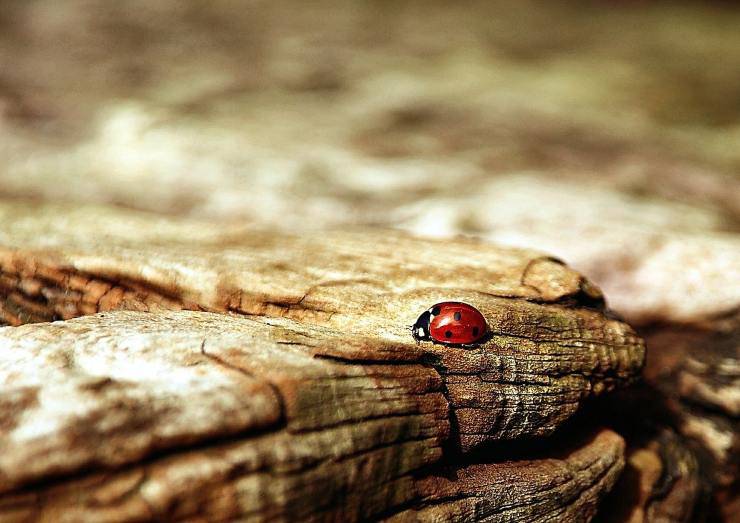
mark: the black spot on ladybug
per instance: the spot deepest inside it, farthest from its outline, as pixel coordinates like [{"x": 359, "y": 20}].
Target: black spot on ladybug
[
  {"x": 458, "y": 316},
  {"x": 436, "y": 311},
  {"x": 475, "y": 331},
  {"x": 448, "y": 334}
]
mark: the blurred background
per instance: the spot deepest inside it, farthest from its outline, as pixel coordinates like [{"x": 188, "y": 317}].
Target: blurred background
[
  {"x": 594, "y": 130},
  {"x": 604, "y": 132}
]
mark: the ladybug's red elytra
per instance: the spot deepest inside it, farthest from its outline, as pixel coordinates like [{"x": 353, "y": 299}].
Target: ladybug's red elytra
[{"x": 450, "y": 323}]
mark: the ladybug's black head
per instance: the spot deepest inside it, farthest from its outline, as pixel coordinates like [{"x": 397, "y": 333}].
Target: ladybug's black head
[{"x": 420, "y": 329}]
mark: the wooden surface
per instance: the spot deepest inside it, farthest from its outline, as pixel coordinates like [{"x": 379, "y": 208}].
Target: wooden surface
[
  {"x": 295, "y": 367},
  {"x": 606, "y": 136}
]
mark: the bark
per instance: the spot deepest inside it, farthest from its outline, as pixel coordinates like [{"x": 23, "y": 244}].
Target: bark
[
  {"x": 546, "y": 321},
  {"x": 295, "y": 388}
]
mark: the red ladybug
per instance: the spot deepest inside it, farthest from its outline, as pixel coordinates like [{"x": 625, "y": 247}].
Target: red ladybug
[{"x": 450, "y": 323}]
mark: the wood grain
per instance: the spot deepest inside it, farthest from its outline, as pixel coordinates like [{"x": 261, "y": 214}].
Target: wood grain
[
  {"x": 126, "y": 416},
  {"x": 292, "y": 388},
  {"x": 552, "y": 345}
]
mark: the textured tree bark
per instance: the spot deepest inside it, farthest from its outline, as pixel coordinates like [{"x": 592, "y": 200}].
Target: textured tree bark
[
  {"x": 131, "y": 415},
  {"x": 293, "y": 388}
]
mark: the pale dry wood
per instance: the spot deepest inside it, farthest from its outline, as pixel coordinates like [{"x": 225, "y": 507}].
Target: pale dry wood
[
  {"x": 128, "y": 416},
  {"x": 551, "y": 346},
  {"x": 114, "y": 388}
]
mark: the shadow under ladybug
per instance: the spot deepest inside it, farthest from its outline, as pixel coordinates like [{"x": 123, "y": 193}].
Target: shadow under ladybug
[{"x": 451, "y": 323}]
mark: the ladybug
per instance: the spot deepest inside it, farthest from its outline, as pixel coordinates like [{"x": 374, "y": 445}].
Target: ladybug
[{"x": 450, "y": 323}]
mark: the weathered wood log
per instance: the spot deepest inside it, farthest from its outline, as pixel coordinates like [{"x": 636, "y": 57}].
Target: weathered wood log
[
  {"x": 298, "y": 388},
  {"x": 547, "y": 323},
  {"x": 670, "y": 268},
  {"x": 131, "y": 415},
  {"x": 627, "y": 189},
  {"x": 115, "y": 390}
]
